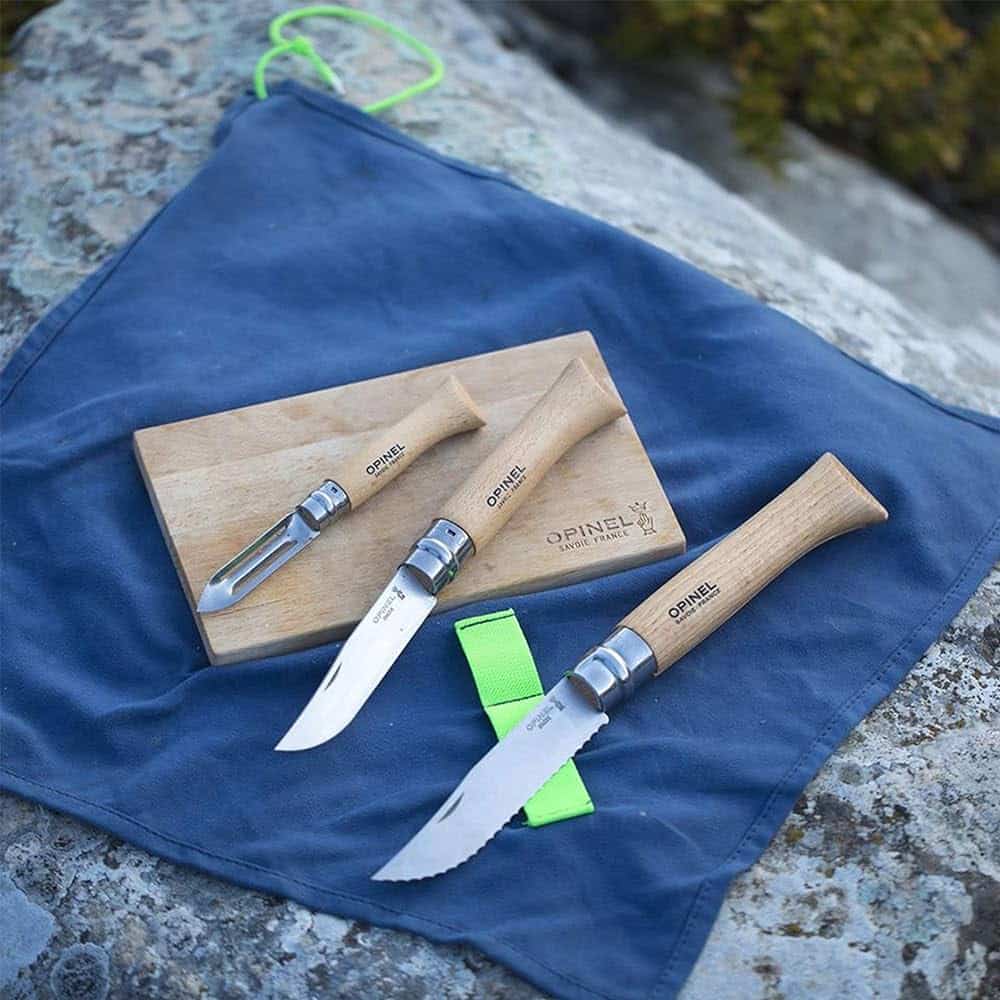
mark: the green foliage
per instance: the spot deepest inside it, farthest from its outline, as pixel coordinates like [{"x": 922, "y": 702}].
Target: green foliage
[
  {"x": 897, "y": 81},
  {"x": 981, "y": 180}
]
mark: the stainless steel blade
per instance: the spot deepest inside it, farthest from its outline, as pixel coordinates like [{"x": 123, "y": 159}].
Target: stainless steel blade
[
  {"x": 263, "y": 556},
  {"x": 493, "y": 791},
  {"x": 364, "y": 660}
]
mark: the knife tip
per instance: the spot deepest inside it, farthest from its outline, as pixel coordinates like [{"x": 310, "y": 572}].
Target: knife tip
[
  {"x": 386, "y": 874},
  {"x": 314, "y": 727},
  {"x": 289, "y": 743},
  {"x": 394, "y": 871},
  {"x": 212, "y": 600}
]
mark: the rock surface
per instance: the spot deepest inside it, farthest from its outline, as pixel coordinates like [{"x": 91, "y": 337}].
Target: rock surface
[{"x": 884, "y": 882}]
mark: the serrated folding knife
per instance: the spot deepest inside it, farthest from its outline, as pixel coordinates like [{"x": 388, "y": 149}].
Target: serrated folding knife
[
  {"x": 576, "y": 405},
  {"x": 824, "y": 502},
  {"x": 359, "y": 477}
]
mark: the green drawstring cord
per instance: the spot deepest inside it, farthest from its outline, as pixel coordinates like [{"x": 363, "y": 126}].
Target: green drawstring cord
[{"x": 301, "y": 45}]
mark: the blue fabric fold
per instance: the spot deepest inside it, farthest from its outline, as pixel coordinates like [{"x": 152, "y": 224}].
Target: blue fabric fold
[{"x": 316, "y": 247}]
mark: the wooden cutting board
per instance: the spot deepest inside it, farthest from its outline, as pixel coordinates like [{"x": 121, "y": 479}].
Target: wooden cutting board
[{"x": 219, "y": 480}]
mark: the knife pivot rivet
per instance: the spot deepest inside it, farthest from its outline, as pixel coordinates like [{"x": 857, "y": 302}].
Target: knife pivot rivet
[
  {"x": 438, "y": 555},
  {"x": 610, "y": 672}
]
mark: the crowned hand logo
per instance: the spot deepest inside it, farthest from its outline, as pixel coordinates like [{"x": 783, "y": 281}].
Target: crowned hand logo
[{"x": 642, "y": 516}]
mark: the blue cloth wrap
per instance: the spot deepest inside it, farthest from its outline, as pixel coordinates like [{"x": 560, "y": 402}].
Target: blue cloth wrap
[{"x": 316, "y": 247}]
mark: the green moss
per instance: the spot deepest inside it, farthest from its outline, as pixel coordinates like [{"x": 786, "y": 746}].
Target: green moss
[{"x": 898, "y": 82}]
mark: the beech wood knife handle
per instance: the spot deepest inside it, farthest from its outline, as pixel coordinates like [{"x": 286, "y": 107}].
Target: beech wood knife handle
[
  {"x": 575, "y": 405},
  {"x": 392, "y": 450},
  {"x": 824, "y": 502}
]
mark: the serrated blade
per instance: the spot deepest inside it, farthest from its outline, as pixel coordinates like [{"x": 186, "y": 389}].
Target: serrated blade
[
  {"x": 493, "y": 791},
  {"x": 263, "y": 556},
  {"x": 364, "y": 660}
]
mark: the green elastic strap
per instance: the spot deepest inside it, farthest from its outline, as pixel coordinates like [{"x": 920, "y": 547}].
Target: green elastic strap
[
  {"x": 302, "y": 46},
  {"x": 509, "y": 686}
]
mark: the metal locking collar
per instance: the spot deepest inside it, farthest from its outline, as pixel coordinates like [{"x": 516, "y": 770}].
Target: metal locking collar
[
  {"x": 438, "y": 555},
  {"x": 610, "y": 672},
  {"x": 324, "y": 505}
]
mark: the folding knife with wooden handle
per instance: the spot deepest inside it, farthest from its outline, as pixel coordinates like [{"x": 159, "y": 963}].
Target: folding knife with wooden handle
[
  {"x": 575, "y": 406},
  {"x": 357, "y": 478},
  {"x": 824, "y": 502}
]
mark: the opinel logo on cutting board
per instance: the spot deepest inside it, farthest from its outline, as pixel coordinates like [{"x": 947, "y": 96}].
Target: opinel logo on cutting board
[
  {"x": 604, "y": 529},
  {"x": 696, "y": 598},
  {"x": 643, "y": 518},
  {"x": 388, "y": 457},
  {"x": 510, "y": 482}
]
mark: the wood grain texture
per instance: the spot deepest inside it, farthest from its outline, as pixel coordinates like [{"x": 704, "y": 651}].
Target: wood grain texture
[
  {"x": 824, "y": 502},
  {"x": 449, "y": 410},
  {"x": 575, "y": 406},
  {"x": 217, "y": 481}
]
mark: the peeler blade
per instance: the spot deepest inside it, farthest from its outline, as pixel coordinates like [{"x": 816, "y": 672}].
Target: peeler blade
[{"x": 251, "y": 567}]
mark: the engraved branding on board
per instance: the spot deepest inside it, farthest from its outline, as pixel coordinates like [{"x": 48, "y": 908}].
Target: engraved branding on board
[
  {"x": 507, "y": 486},
  {"x": 642, "y": 516},
  {"x": 604, "y": 530},
  {"x": 696, "y": 598},
  {"x": 386, "y": 460}
]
